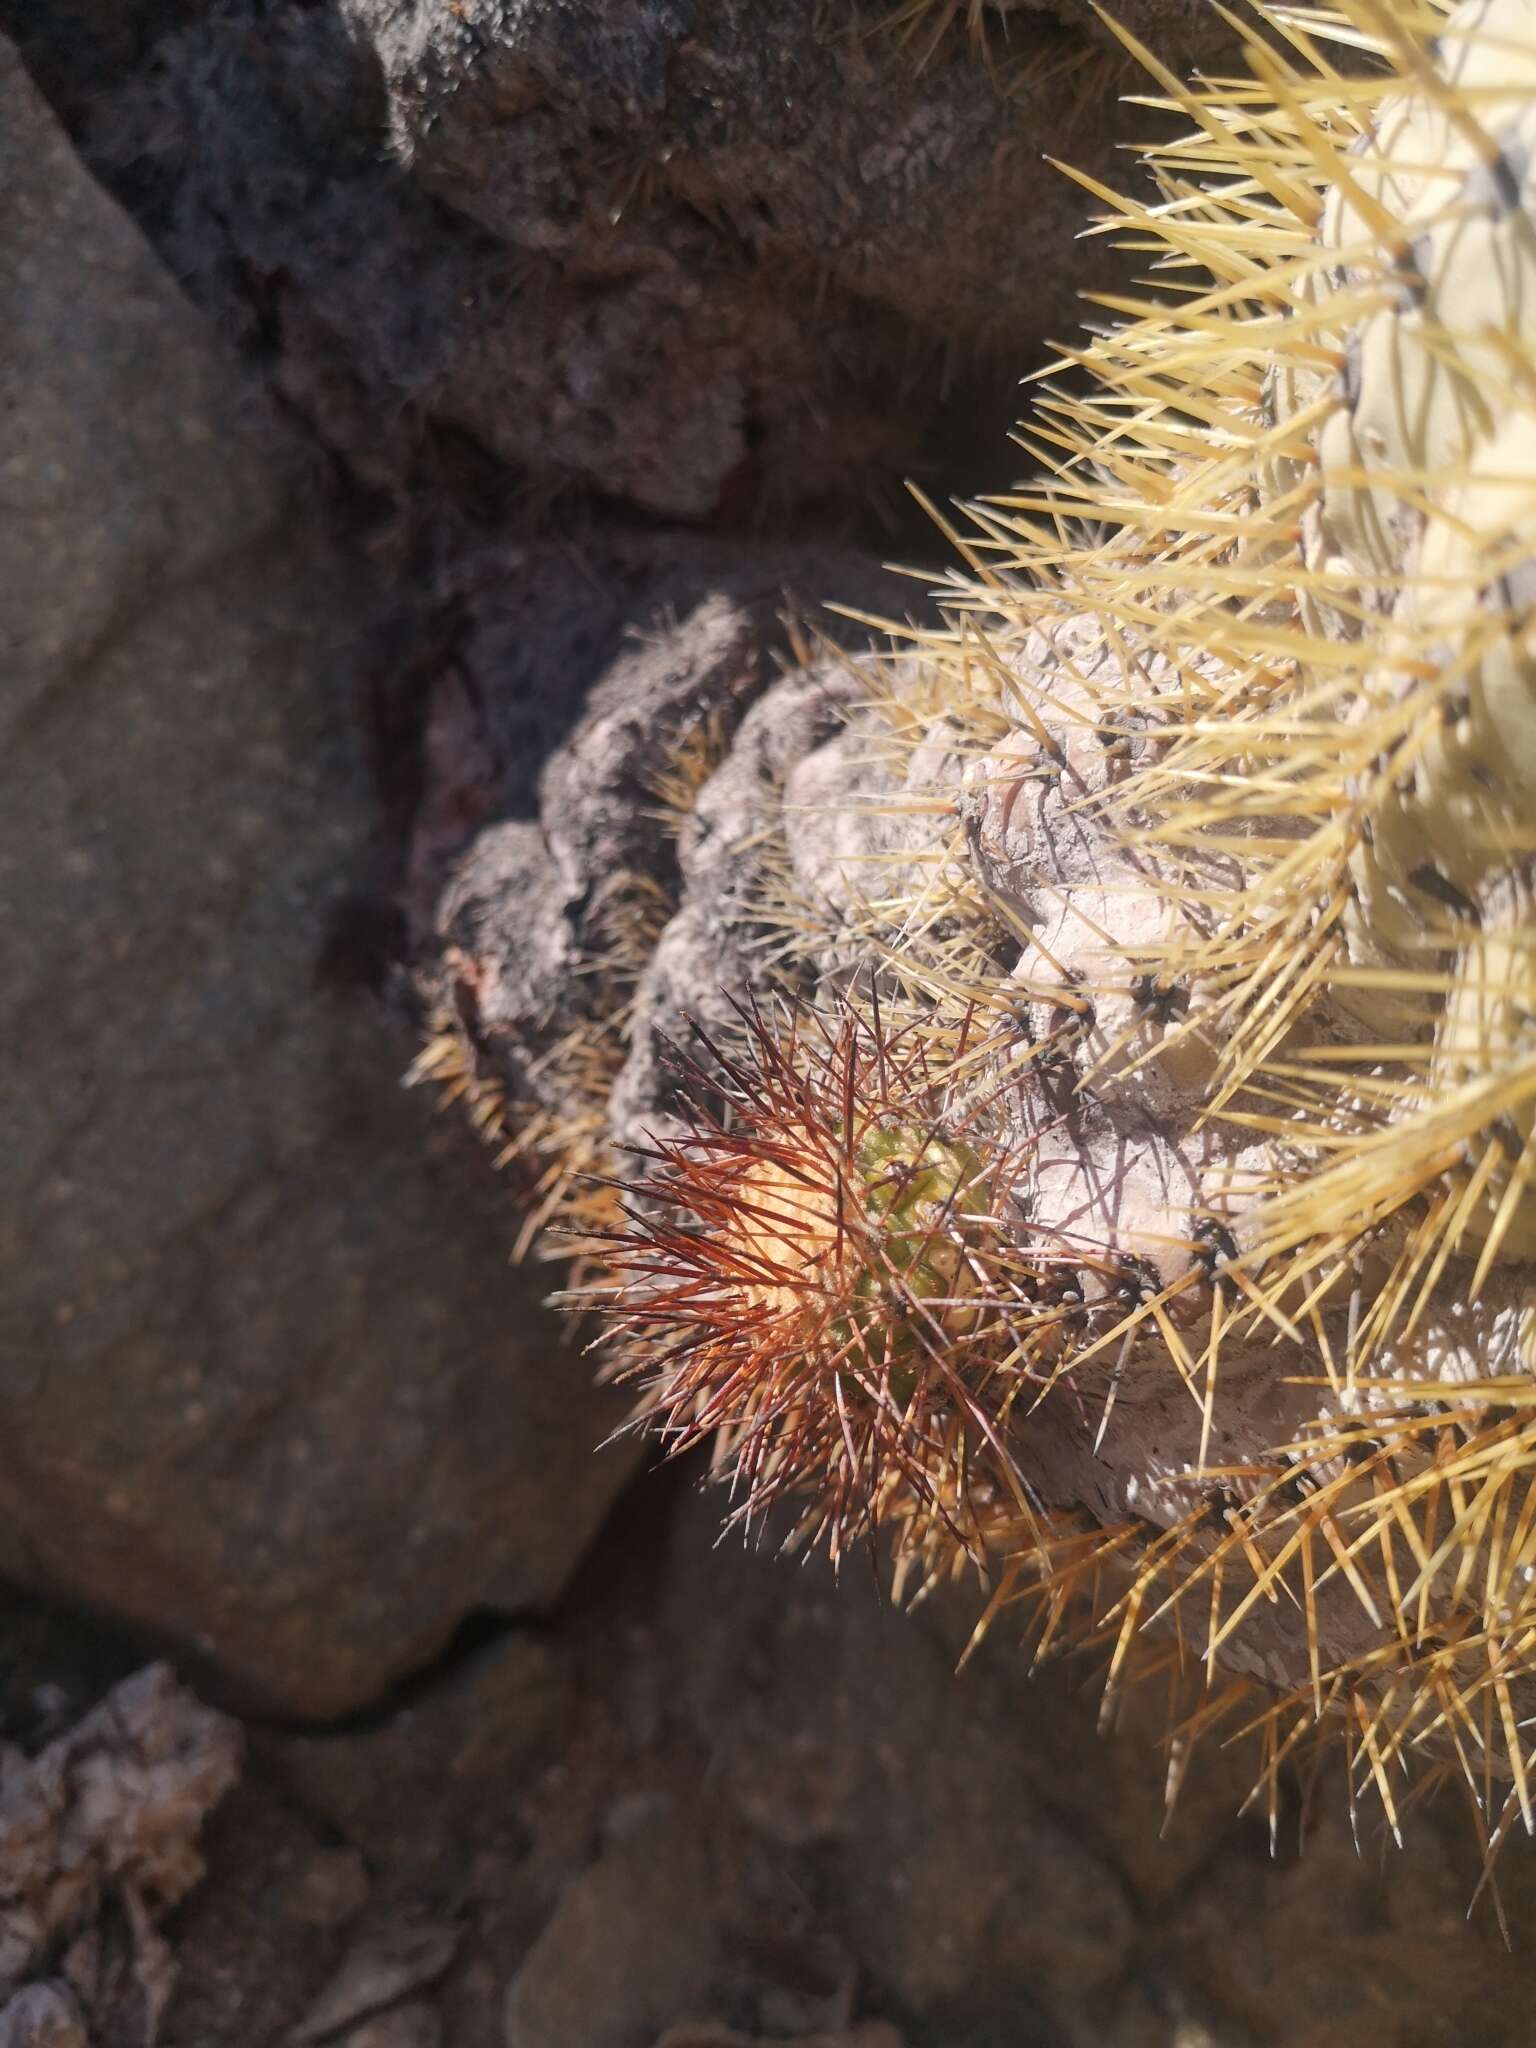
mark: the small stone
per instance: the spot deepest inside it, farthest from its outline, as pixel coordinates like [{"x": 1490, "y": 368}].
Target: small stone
[
  {"x": 42, "y": 2016},
  {"x": 328, "y": 1889},
  {"x": 379, "y": 1972},
  {"x": 413, "y": 2025}
]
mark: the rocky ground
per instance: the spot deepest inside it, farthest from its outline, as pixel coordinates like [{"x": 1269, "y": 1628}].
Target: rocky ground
[
  {"x": 386, "y": 391},
  {"x": 716, "y": 1800}
]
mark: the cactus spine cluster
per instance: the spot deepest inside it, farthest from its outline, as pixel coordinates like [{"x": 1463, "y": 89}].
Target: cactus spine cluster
[{"x": 827, "y": 1266}]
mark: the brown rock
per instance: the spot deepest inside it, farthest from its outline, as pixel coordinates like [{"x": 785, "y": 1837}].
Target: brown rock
[
  {"x": 867, "y": 2034},
  {"x": 948, "y": 1867},
  {"x": 330, "y": 1886},
  {"x": 414, "y": 1785},
  {"x": 373, "y": 1988},
  {"x": 415, "y": 2024},
  {"x": 631, "y": 1948}
]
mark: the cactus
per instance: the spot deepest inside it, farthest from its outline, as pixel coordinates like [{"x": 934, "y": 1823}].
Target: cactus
[
  {"x": 1137, "y": 1208},
  {"x": 825, "y": 1269}
]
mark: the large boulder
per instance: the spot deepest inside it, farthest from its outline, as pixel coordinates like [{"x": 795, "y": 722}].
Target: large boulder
[{"x": 268, "y": 1386}]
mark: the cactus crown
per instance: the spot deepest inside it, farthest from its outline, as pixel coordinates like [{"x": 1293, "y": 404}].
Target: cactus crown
[{"x": 821, "y": 1275}]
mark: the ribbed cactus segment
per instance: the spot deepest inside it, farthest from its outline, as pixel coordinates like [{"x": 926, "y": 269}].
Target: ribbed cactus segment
[
  {"x": 1271, "y": 629},
  {"x": 1319, "y": 599},
  {"x": 1419, "y": 542}
]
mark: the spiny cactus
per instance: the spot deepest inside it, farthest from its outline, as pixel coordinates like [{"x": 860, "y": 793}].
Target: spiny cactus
[
  {"x": 1168, "y": 913},
  {"x": 822, "y": 1278}
]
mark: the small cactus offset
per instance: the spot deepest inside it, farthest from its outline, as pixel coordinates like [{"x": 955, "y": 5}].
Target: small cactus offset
[
  {"x": 823, "y": 1278},
  {"x": 1118, "y": 1173}
]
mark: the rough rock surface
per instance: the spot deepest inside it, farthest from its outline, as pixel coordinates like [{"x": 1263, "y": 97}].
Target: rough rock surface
[
  {"x": 267, "y": 1384},
  {"x": 713, "y": 261},
  {"x": 958, "y": 1859},
  {"x": 722, "y": 1798},
  {"x": 98, "y": 1840}
]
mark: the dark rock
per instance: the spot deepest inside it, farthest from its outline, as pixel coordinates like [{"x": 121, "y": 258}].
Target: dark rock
[
  {"x": 632, "y": 1945},
  {"x": 414, "y": 1787},
  {"x": 717, "y": 262},
  {"x": 268, "y": 1386},
  {"x": 378, "y": 1976}
]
